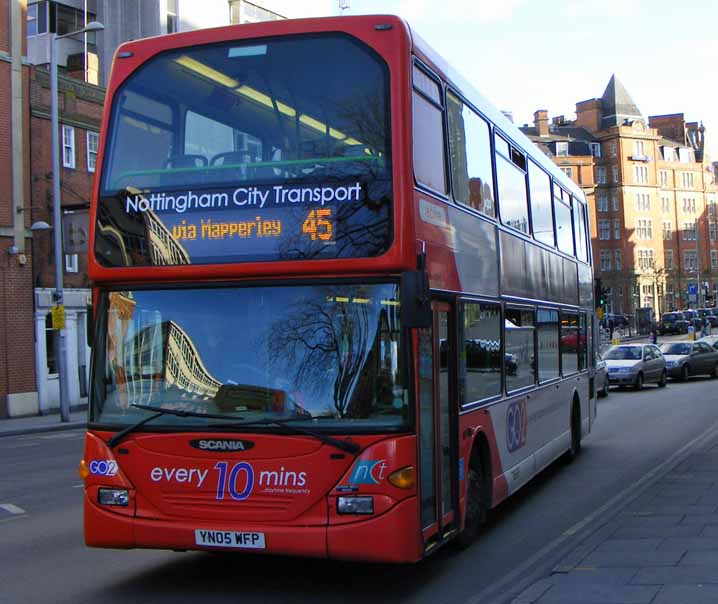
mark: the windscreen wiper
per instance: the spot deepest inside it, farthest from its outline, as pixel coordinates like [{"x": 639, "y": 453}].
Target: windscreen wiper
[
  {"x": 343, "y": 445},
  {"x": 114, "y": 440}
]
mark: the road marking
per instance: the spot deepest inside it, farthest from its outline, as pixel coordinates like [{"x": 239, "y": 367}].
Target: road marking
[
  {"x": 520, "y": 578},
  {"x": 78, "y": 486},
  {"x": 11, "y": 508}
]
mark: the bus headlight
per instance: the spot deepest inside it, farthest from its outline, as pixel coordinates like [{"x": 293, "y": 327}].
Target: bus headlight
[
  {"x": 119, "y": 497},
  {"x": 355, "y": 505}
]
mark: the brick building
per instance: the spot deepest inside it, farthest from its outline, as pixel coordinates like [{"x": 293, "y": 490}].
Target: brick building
[
  {"x": 652, "y": 198},
  {"x": 18, "y": 394}
]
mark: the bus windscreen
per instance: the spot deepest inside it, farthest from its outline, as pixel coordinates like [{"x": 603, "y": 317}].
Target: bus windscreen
[{"x": 248, "y": 151}]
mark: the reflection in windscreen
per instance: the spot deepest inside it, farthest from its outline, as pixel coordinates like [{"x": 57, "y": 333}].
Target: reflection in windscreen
[
  {"x": 329, "y": 352},
  {"x": 624, "y": 353},
  {"x": 676, "y": 348}
]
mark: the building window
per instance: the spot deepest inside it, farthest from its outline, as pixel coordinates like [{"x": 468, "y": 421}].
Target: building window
[
  {"x": 614, "y": 201},
  {"x": 50, "y": 335},
  {"x": 562, "y": 149},
  {"x": 613, "y": 149},
  {"x": 711, "y": 208},
  {"x": 689, "y": 205},
  {"x": 667, "y": 231},
  {"x": 668, "y": 260},
  {"x": 687, "y": 180},
  {"x": 617, "y": 259},
  {"x": 689, "y": 231},
  {"x": 638, "y": 148},
  {"x": 644, "y": 229},
  {"x": 614, "y": 173},
  {"x": 665, "y": 204},
  {"x": 596, "y": 149},
  {"x": 714, "y": 259},
  {"x": 643, "y": 202},
  {"x": 663, "y": 178},
  {"x": 171, "y": 16},
  {"x": 68, "y": 146},
  {"x": 601, "y": 175},
  {"x": 92, "y": 138},
  {"x": 36, "y": 18},
  {"x": 712, "y": 231},
  {"x": 690, "y": 260},
  {"x": 602, "y": 202},
  {"x": 568, "y": 172},
  {"x": 241, "y": 11},
  {"x": 605, "y": 258},
  {"x": 70, "y": 263},
  {"x": 645, "y": 260},
  {"x": 604, "y": 230},
  {"x": 616, "y": 229},
  {"x": 640, "y": 174}
]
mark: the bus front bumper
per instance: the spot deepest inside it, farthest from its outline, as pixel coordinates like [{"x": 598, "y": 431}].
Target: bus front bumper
[{"x": 390, "y": 537}]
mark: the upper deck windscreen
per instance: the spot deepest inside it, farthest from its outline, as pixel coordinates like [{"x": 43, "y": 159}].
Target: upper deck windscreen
[{"x": 272, "y": 149}]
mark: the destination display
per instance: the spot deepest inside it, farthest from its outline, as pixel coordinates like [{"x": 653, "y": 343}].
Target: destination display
[{"x": 243, "y": 224}]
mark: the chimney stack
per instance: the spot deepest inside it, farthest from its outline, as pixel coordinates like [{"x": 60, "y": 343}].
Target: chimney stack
[{"x": 541, "y": 122}]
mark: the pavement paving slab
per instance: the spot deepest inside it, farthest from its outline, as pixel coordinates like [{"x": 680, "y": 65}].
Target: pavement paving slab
[{"x": 687, "y": 594}]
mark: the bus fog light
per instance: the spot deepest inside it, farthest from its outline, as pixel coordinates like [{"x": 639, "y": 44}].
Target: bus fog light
[
  {"x": 355, "y": 505},
  {"x": 119, "y": 497}
]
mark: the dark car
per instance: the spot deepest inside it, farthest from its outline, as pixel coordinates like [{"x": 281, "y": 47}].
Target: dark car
[
  {"x": 684, "y": 359},
  {"x": 673, "y": 323},
  {"x": 707, "y": 313}
]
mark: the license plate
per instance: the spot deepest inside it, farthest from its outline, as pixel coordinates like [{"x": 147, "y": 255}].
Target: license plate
[{"x": 234, "y": 539}]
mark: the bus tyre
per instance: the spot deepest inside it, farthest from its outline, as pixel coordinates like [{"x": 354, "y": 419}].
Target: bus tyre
[
  {"x": 575, "y": 449},
  {"x": 476, "y": 503}
]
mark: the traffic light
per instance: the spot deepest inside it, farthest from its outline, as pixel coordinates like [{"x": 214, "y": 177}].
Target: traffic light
[{"x": 599, "y": 294}]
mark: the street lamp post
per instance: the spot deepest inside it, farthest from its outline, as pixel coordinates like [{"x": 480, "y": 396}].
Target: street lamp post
[{"x": 60, "y": 344}]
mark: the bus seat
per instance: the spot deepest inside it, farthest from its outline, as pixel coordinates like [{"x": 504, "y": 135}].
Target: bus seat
[{"x": 185, "y": 162}]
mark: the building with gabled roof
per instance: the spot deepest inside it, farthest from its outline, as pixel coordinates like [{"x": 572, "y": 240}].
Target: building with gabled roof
[{"x": 652, "y": 199}]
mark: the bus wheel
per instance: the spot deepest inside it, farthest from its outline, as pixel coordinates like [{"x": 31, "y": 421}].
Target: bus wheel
[
  {"x": 477, "y": 503},
  {"x": 575, "y": 449}
]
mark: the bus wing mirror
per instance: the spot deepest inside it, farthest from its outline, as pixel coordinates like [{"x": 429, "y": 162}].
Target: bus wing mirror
[{"x": 415, "y": 301}]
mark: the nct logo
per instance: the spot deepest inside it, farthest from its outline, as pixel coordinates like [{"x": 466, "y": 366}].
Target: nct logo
[{"x": 368, "y": 471}]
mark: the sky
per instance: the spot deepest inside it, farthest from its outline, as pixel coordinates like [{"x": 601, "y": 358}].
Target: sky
[{"x": 525, "y": 55}]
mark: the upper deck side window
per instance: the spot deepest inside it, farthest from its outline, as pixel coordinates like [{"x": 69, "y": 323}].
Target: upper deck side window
[
  {"x": 470, "y": 155},
  {"x": 541, "y": 204},
  {"x": 579, "y": 227},
  {"x": 564, "y": 219},
  {"x": 428, "y": 132},
  {"x": 511, "y": 181}
]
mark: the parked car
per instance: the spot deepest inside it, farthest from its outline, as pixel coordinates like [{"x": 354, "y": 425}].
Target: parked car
[
  {"x": 684, "y": 359},
  {"x": 673, "y": 323},
  {"x": 601, "y": 377},
  {"x": 635, "y": 364},
  {"x": 710, "y": 340}
]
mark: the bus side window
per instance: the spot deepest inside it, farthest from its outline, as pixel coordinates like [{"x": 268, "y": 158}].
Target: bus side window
[
  {"x": 569, "y": 342},
  {"x": 519, "y": 353},
  {"x": 480, "y": 368},
  {"x": 428, "y": 133},
  {"x": 541, "y": 208},
  {"x": 547, "y": 337},
  {"x": 564, "y": 226},
  {"x": 511, "y": 181},
  {"x": 470, "y": 154}
]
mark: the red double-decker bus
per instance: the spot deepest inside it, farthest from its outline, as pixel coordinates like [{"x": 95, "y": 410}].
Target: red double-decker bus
[{"x": 343, "y": 307}]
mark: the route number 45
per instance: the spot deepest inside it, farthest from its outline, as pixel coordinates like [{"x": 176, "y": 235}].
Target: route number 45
[{"x": 317, "y": 226}]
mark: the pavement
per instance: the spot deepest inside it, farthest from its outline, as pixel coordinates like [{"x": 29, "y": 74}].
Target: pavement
[
  {"x": 42, "y": 423},
  {"x": 660, "y": 547}
]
